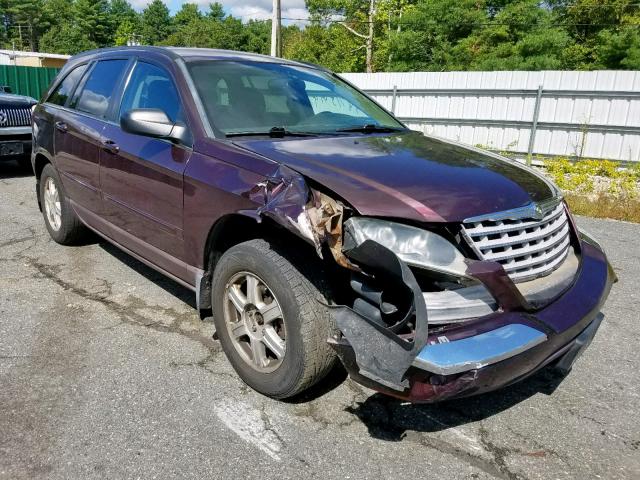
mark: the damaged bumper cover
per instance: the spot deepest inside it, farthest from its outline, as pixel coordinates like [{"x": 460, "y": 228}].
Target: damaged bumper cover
[
  {"x": 385, "y": 341},
  {"x": 488, "y": 353}
]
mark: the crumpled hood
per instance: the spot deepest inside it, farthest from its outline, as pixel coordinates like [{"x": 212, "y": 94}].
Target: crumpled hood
[{"x": 408, "y": 175}]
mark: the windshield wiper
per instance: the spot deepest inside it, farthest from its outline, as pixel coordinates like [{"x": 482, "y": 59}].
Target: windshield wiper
[
  {"x": 370, "y": 128},
  {"x": 274, "y": 132}
]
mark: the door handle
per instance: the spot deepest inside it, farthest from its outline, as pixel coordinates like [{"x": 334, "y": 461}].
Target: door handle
[
  {"x": 62, "y": 127},
  {"x": 110, "y": 146}
]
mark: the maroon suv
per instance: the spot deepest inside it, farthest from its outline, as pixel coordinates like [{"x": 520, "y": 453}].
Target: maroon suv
[{"x": 313, "y": 226}]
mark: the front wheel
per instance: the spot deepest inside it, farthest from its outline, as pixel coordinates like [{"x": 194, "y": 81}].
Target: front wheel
[{"x": 271, "y": 319}]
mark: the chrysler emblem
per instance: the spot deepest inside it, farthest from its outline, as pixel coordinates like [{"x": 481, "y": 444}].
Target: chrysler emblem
[
  {"x": 538, "y": 212},
  {"x": 532, "y": 210},
  {"x": 3, "y": 118}
]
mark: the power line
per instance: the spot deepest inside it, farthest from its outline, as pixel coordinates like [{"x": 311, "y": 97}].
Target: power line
[{"x": 480, "y": 24}]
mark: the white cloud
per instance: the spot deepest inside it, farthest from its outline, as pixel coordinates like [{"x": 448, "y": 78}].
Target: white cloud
[
  {"x": 254, "y": 10},
  {"x": 139, "y": 4},
  {"x": 259, "y": 9}
]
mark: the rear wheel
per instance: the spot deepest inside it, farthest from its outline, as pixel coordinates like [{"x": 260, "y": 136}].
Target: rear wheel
[
  {"x": 61, "y": 221},
  {"x": 271, "y": 319}
]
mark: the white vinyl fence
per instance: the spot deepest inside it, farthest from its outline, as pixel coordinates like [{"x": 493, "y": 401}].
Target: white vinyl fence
[{"x": 575, "y": 114}]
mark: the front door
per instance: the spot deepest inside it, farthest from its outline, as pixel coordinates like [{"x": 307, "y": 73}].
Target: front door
[{"x": 142, "y": 177}]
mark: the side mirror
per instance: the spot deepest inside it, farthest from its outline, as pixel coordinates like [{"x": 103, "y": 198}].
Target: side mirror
[{"x": 152, "y": 122}]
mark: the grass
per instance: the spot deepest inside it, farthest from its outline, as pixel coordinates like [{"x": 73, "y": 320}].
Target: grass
[
  {"x": 598, "y": 188},
  {"x": 604, "y": 206}
]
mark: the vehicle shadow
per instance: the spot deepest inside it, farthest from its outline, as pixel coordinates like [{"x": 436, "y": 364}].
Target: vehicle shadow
[
  {"x": 12, "y": 169},
  {"x": 170, "y": 286},
  {"x": 387, "y": 418}
]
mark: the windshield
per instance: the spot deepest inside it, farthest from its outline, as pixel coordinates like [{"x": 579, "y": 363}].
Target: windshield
[{"x": 254, "y": 97}]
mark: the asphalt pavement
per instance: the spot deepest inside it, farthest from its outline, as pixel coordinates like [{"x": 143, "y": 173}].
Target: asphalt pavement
[{"x": 106, "y": 371}]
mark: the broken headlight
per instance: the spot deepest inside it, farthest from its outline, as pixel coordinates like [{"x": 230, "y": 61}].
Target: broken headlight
[{"x": 417, "y": 247}]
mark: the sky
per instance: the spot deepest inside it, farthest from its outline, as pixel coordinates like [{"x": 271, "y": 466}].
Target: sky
[{"x": 244, "y": 9}]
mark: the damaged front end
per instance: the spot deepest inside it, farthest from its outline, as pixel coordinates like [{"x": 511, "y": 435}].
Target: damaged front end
[{"x": 425, "y": 318}]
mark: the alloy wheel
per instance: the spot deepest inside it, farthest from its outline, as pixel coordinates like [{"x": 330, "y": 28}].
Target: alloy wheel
[
  {"x": 52, "y": 205},
  {"x": 255, "y": 322}
]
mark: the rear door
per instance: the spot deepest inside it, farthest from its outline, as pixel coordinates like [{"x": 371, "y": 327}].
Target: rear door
[
  {"x": 78, "y": 134},
  {"x": 142, "y": 177}
]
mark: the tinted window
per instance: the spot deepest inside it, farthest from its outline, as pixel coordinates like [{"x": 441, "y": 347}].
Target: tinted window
[
  {"x": 151, "y": 87},
  {"x": 99, "y": 87},
  {"x": 64, "y": 89}
]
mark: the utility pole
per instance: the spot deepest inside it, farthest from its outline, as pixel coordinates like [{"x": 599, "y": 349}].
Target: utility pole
[
  {"x": 369, "y": 39},
  {"x": 276, "y": 42}
]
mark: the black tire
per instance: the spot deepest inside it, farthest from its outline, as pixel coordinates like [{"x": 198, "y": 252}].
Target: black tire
[
  {"x": 308, "y": 357},
  {"x": 71, "y": 231}
]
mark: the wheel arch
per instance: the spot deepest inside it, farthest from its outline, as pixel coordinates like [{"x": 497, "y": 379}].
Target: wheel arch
[
  {"x": 39, "y": 162},
  {"x": 230, "y": 230}
]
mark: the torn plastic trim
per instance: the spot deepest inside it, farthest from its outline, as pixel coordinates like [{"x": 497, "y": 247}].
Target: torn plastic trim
[
  {"x": 381, "y": 354},
  {"x": 286, "y": 198},
  {"x": 475, "y": 352}
]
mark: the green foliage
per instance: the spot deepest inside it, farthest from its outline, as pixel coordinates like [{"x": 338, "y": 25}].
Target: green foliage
[
  {"x": 405, "y": 35},
  {"x": 156, "y": 23},
  {"x": 598, "y": 188},
  {"x": 67, "y": 38},
  {"x": 187, "y": 14},
  {"x": 92, "y": 18},
  {"x": 587, "y": 177}
]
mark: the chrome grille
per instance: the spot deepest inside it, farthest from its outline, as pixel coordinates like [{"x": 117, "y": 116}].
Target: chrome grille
[
  {"x": 525, "y": 248},
  {"x": 15, "y": 117}
]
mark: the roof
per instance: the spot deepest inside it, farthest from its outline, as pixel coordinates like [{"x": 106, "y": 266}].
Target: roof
[
  {"x": 19, "y": 53},
  {"x": 199, "y": 53}
]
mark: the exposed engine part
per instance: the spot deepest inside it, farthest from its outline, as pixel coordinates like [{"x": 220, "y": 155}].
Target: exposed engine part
[{"x": 381, "y": 354}]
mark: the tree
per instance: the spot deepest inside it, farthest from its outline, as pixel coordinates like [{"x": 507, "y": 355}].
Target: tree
[
  {"x": 92, "y": 18},
  {"x": 187, "y": 14},
  {"x": 431, "y": 30},
  {"x": 123, "y": 21},
  {"x": 216, "y": 11},
  {"x": 359, "y": 20},
  {"x": 26, "y": 22},
  {"x": 356, "y": 35},
  {"x": 618, "y": 50},
  {"x": 156, "y": 23},
  {"x": 332, "y": 46},
  {"x": 67, "y": 39}
]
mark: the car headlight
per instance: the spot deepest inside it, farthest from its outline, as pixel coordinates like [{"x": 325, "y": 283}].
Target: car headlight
[{"x": 417, "y": 247}]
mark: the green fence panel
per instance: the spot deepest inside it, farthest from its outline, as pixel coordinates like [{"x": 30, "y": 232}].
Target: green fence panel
[{"x": 30, "y": 81}]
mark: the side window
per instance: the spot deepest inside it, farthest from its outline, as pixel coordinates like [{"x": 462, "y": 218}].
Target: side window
[
  {"x": 99, "y": 87},
  {"x": 151, "y": 87},
  {"x": 64, "y": 89}
]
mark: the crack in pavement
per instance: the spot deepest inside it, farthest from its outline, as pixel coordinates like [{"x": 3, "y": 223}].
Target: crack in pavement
[
  {"x": 499, "y": 454},
  {"x": 127, "y": 313}
]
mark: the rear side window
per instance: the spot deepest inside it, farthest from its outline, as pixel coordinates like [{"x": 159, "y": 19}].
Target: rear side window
[
  {"x": 64, "y": 89},
  {"x": 151, "y": 87},
  {"x": 99, "y": 87}
]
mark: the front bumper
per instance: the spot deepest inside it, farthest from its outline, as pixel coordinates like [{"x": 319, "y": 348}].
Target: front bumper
[
  {"x": 10, "y": 137},
  {"x": 505, "y": 347}
]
